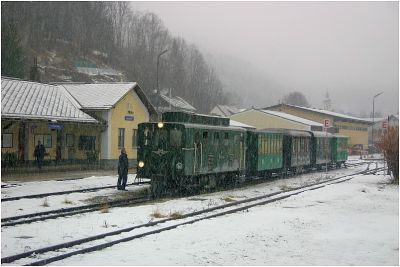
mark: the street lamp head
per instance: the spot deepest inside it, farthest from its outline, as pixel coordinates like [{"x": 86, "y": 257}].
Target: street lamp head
[
  {"x": 163, "y": 52},
  {"x": 378, "y": 94}
]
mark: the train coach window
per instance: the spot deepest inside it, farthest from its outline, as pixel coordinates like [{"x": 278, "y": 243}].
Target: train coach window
[
  {"x": 175, "y": 138},
  {"x": 259, "y": 146},
  {"x": 226, "y": 135},
  {"x": 205, "y": 136}
]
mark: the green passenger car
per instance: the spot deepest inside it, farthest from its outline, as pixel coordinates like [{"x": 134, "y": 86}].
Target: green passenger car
[
  {"x": 264, "y": 152},
  {"x": 339, "y": 149},
  {"x": 322, "y": 148}
]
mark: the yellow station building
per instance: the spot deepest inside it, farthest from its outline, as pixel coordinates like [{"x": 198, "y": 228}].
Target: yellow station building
[
  {"x": 32, "y": 112},
  {"x": 120, "y": 107},
  {"x": 72, "y": 120},
  {"x": 355, "y": 128},
  {"x": 261, "y": 119}
]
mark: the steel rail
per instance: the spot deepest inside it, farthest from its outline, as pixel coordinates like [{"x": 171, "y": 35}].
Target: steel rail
[
  {"x": 41, "y": 216},
  {"x": 102, "y": 246},
  {"x": 66, "y": 192}
]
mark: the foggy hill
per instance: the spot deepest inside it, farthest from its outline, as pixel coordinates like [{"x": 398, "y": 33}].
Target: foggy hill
[
  {"x": 250, "y": 86},
  {"x": 107, "y": 41}
]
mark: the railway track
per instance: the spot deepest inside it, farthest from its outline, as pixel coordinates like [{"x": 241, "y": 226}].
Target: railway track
[
  {"x": 40, "y": 257},
  {"x": 52, "y": 214},
  {"x": 93, "y": 189}
]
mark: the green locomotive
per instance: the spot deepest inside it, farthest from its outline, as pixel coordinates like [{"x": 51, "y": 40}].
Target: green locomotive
[{"x": 187, "y": 152}]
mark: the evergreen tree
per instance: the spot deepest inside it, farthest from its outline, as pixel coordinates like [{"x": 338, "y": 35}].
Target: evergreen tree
[{"x": 12, "y": 63}]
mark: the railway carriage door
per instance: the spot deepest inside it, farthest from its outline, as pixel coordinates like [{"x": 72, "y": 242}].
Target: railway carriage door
[
  {"x": 197, "y": 152},
  {"x": 242, "y": 152}
]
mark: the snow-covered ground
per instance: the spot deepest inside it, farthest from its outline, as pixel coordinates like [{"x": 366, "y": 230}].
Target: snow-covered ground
[{"x": 351, "y": 223}]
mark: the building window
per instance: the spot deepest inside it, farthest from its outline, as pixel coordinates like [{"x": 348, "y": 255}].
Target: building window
[
  {"x": 134, "y": 138},
  {"x": 70, "y": 140},
  {"x": 121, "y": 137},
  {"x": 87, "y": 142},
  {"x": 7, "y": 140},
  {"x": 45, "y": 139}
]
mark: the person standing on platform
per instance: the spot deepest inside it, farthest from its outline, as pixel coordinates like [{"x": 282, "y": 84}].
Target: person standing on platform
[
  {"x": 39, "y": 154},
  {"x": 122, "y": 170}
]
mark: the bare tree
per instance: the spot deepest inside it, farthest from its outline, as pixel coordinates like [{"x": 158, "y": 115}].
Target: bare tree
[{"x": 296, "y": 98}]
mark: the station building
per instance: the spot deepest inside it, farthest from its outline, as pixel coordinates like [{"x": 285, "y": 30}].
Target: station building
[
  {"x": 32, "y": 112},
  {"x": 261, "y": 119},
  {"x": 120, "y": 107},
  {"x": 355, "y": 128},
  {"x": 74, "y": 121}
]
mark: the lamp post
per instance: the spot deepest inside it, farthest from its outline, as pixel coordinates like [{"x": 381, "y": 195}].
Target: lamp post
[
  {"x": 158, "y": 89},
  {"x": 373, "y": 118},
  {"x": 158, "y": 62}
]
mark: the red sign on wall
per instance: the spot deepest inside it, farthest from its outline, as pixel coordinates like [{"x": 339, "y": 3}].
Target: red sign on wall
[{"x": 327, "y": 123}]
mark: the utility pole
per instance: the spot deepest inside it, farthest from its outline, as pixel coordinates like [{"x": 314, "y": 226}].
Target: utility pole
[
  {"x": 158, "y": 89},
  {"x": 373, "y": 119}
]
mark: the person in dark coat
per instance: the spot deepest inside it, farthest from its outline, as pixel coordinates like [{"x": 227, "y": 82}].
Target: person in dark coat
[
  {"x": 39, "y": 154},
  {"x": 122, "y": 170}
]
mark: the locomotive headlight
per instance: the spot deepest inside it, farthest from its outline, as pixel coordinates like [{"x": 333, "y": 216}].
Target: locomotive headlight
[
  {"x": 141, "y": 164},
  {"x": 179, "y": 166},
  {"x": 160, "y": 124}
]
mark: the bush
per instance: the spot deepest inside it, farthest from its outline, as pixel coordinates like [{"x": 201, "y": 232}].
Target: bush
[
  {"x": 92, "y": 156},
  {"x": 9, "y": 160},
  {"x": 390, "y": 148}
]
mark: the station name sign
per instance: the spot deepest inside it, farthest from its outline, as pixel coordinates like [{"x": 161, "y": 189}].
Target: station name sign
[{"x": 129, "y": 118}]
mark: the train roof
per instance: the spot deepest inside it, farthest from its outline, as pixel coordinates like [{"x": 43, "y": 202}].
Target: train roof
[
  {"x": 291, "y": 132},
  {"x": 340, "y": 136},
  {"x": 321, "y": 134},
  {"x": 202, "y": 126}
]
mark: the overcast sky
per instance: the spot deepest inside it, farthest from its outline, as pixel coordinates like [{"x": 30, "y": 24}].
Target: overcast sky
[{"x": 350, "y": 49}]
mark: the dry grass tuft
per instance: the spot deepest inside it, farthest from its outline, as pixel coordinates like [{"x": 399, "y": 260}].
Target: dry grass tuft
[
  {"x": 285, "y": 187},
  {"x": 67, "y": 201},
  {"x": 228, "y": 199},
  {"x": 158, "y": 214},
  {"x": 45, "y": 202},
  {"x": 104, "y": 208},
  {"x": 175, "y": 215}
]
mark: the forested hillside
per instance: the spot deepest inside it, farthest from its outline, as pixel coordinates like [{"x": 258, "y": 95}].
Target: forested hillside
[{"x": 64, "y": 36}]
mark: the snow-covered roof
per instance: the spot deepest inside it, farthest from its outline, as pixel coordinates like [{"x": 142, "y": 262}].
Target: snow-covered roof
[
  {"x": 375, "y": 119},
  {"x": 32, "y": 100},
  {"x": 224, "y": 110},
  {"x": 291, "y": 117},
  {"x": 177, "y": 102},
  {"x": 327, "y": 112},
  {"x": 98, "y": 95},
  {"x": 97, "y": 71},
  {"x": 391, "y": 117},
  {"x": 239, "y": 124}
]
